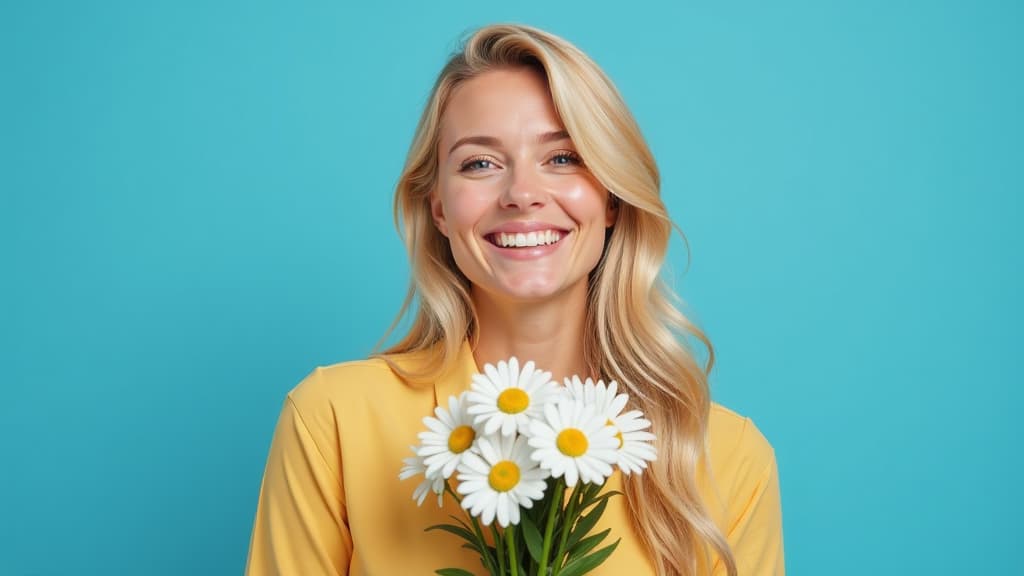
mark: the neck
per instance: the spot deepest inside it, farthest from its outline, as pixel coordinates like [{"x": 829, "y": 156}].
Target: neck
[{"x": 549, "y": 332}]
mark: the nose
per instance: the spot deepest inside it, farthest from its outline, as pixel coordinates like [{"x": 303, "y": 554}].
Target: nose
[{"x": 523, "y": 190}]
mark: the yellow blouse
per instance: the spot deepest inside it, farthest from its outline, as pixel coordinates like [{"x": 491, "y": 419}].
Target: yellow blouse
[{"x": 331, "y": 501}]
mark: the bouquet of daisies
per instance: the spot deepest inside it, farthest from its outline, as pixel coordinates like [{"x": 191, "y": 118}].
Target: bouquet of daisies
[{"x": 516, "y": 443}]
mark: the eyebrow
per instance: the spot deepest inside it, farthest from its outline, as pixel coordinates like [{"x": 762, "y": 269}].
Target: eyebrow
[{"x": 491, "y": 141}]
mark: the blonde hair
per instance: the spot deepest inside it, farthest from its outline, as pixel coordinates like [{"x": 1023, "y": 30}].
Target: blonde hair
[{"x": 634, "y": 334}]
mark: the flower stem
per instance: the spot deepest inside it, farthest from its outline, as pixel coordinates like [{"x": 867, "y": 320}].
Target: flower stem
[
  {"x": 569, "y": 521},
  {"x": 483, "y": 545},
  {"x": 553, "y": 512},
  {"x": 448, "y": 489},
  {"x": 488, "y": 560},
  {"x": 510, "y": 541},
  {"x": 497, "y": 549}
]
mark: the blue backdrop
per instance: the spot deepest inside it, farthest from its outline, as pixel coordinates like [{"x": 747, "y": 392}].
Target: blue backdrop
[{"x": 196, "y": 211}]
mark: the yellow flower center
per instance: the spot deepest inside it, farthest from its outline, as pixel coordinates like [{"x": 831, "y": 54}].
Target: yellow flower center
[
  {"x": 460, "y": 439},
  {"x": 513, "y": 401},
  {"x": 618, "y": 433},
  {"x": 572, "y": 442},
  {"x": 504, "y": 476}
]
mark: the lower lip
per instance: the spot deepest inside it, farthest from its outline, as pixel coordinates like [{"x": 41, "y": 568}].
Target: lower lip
[{"x": 528, "y": 252}]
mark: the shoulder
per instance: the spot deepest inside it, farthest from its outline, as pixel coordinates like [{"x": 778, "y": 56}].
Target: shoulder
[
  {"x": 739, "y": 456},
  {"x": 348, "y": 382},
  {"x": 342, "y": 378},
  {"x": 731, "y": 434},
  {"x": 331, "y": 392}
]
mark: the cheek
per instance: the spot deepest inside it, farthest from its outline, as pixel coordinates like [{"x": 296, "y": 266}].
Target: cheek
[
  {"x": 586, "y": 203},
  {"x": 464, "y": 206}
]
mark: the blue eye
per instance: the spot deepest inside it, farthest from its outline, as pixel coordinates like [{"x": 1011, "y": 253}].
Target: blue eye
[
  {"x": 566, "y": 159},
  {"x": 476, "y": 164}
]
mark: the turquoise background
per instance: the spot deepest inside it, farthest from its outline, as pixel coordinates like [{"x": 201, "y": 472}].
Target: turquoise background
[{"x": 196, "y": 212}]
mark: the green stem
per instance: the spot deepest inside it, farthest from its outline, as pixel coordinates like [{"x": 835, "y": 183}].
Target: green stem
[
  {"x": 488, "y": 561},
  {"x": 497, "y": 549},
  {"x": 570, "y": 513},
  {"x": 448, "y": 489},
  {"x": 553, "y": 510},
  {"x": 510, "y": 541}
]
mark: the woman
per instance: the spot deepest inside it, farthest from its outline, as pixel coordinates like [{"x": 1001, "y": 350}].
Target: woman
[{"x": 530, "y": 207}]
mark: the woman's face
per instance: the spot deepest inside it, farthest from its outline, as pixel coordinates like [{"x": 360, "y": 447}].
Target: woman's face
[{"x": 524, "y": 218}]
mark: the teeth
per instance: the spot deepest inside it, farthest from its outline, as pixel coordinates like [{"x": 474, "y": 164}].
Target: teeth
[{"x": 520, "y": 240}]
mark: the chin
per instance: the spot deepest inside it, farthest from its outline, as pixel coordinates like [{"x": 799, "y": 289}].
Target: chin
[{"x": 535, "y": 290}]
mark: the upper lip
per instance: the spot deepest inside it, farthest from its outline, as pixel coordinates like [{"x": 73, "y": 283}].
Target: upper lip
[{"x": 524, "y": 227}]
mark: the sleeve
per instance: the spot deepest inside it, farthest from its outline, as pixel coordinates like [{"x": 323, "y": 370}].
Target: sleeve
[
  {"x": 755, "y": 531},
  {"x": 301, "y": 525}
]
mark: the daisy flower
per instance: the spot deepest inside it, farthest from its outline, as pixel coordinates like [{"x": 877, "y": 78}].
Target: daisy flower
[
  {"x": 414, "y": 465},
  {"x": 604, "y": 398},
  {"x": 450, "y": 435},
  {"x": 500, "y": 479},
  {"x": 507, "y": 398},
  {"x": 573, "y": 439},
  {"x": 634, "y": 442}
]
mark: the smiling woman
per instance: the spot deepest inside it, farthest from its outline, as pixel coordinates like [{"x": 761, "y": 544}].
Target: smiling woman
[
  {"x": 524, "y": 218},
  {"x": 531, "y": 209}
]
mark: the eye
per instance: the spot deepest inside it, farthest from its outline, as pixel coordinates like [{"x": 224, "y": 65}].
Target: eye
[
  {"x": 566, "y": 158},
  {"x": 476, "y": 163}
]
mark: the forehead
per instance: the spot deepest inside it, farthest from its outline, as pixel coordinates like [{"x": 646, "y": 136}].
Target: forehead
[{"x": 505, "y": 103}]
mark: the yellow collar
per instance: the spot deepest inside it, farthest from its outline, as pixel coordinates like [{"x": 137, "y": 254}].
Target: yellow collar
[
  {"x": 451, "y": 383},
  {"x": 458, "y": 378}
]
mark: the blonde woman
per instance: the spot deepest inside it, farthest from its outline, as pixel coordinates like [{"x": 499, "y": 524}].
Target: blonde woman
[{"x": 530, "y": 207}]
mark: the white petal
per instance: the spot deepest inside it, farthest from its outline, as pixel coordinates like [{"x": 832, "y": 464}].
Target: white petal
[
  {"x": 491, "y": 423},
  {"x": 602, "y": 468},
  {"x": 489, "y": 509},
  {"x": 587, "y": 472},
  {"x": 471, "y": 486},
  {"x": 431, "y": 450},
  {"x": 437, "y": 426},
  {"x": 638, "y": 437},
  {"x": 471, "y": 463},
  {"x": 483, "y": 407},
  {"x": 449, "y": 467},
  {"x": 616, "y": 406},
  {"x": 493, "y": 374},
  {"x": 513, "y": 371},
  {"x": 508, "y": 426},
  {"x": 503, "y": 509},
  {"x": 445, "y": 416},
  {"x": 514, "y": 514},
  {"x": 526, "y": 375},
  {"x": 485, "y": 383},
  {"x": 540, "y": 428},
  {"x": 571, "y": 475},
  {"x": 552, "y": 415}
]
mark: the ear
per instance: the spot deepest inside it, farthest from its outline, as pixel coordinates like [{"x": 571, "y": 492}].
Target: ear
[
  {"x": 611, "y": 210},
  {"x": 437, "y": 212}
]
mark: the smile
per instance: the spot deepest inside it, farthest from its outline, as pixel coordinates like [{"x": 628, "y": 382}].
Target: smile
[{"x": 525, "y": 239}]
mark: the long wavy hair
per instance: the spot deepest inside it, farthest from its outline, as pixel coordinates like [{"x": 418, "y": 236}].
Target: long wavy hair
[{"x": 634, "y": 332}]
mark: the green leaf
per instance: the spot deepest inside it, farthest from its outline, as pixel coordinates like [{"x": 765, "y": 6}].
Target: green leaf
[
  {"x": 453, "y": 572},
  {"x": 472, "y": 542},
  {"x": 474, "y": 548},
  {"x": 590, "y": 502},
  {"x": 461, "y": 522},
  {"x": 585, "y": 564},
  {"x": 457, "y": 530},
  {"x": 534, "y": 541},
  {"x": 585, "y": 524},
  {"x": 587, "y": 544}
]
